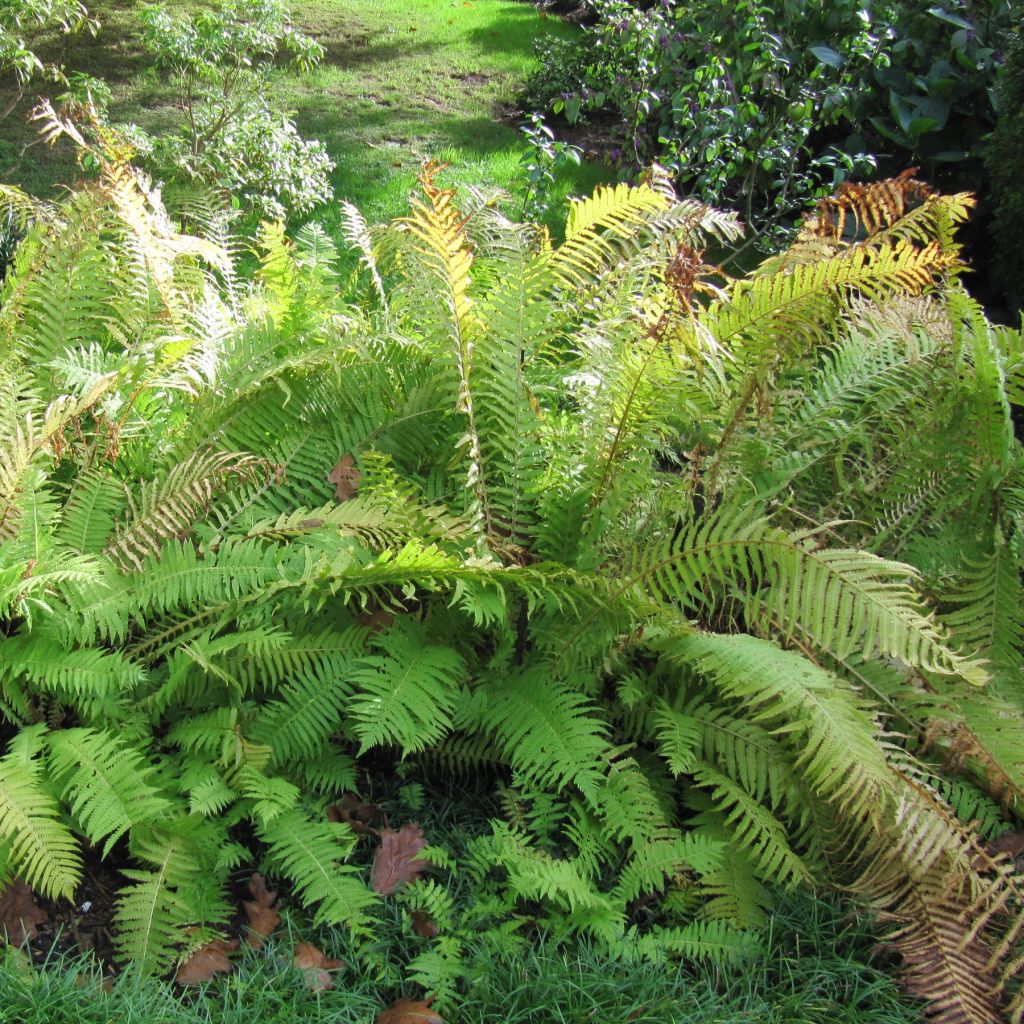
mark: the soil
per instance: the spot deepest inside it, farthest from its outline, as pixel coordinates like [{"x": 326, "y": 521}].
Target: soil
[{"x": 83, "y": 926}]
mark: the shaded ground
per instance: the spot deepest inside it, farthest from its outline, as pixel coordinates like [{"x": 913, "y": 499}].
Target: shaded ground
[{"x": 402, "y": 80}]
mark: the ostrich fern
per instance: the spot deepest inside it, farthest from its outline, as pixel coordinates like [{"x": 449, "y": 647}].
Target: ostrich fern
[{"x": 656, "y": 548}]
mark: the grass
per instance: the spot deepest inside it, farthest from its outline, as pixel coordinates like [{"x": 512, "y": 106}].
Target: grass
[
  {"x": 815, "y": 971},
  {"x": 401, "y": 81}
]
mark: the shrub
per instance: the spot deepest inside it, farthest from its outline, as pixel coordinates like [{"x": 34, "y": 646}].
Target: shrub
[
  {"x": 614, "y": 536},
  {"x": 1005, "y": 161},
  {"x": 231, "y": 137},
  {"x": 22, "y": 24},
  {"x": 769, "y": 105}
]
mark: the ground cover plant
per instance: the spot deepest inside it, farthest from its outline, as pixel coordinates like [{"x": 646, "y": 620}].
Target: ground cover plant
[
  {"x": 813, "y": 971},
  {"x": 650, "y": 552}
]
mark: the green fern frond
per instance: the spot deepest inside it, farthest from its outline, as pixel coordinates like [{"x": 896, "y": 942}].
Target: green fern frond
[
  {"x": 717, "y": 941},
  {"x": 86, "y": 677},
  {"x": 679, "y": 738},
  {"x": 179, "y": 889},
  {"x": 754, "y": 829},
  {"x": 548, "y": 731},
  {"x": 405, "y": 695},
  {"x": 90, "y": 513},
  {"x": 839, "y": 749},
  {"x": 41, "y": 849},
  {"x": 840, "y": 600},
  {"x": 106, "y": 784},
  {"x": 311, "y": 855}
]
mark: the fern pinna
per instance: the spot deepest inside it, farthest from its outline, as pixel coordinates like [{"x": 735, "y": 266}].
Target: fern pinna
[{"x": 652, "y": 549}]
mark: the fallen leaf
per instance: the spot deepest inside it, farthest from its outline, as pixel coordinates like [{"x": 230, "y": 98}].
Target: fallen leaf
[
  {"x": 376, "y": 620},
  {"x": 424, "y": 926},
  {"x": 395, "y": 863},
  {"x": 91, "y": 981},
  {"x": 345, "y": 477},
  {"x": 1009, "y": 842},
  {"x": 206, "y": 961},
  {"x": 410, "y": 1011},
  {"x": 263, "y": 918},
  {"x": 315, "y": 966},
  {"x": 365, "y": 819},
  {"x": 19, "y": 914}
]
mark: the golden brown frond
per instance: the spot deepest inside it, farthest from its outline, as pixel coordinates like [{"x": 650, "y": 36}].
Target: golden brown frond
[
  {"x": 959, "y": 909},
  {"x": 861, "y": 211},
  {"x": 942, "y": 964}
]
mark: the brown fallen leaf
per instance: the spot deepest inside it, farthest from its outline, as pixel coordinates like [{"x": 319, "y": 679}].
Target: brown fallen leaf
[
  {"x": 410, "y": 1011},
  {"x": 396, "y": 862},
  {"x": 20, "y": 915},
  {"x": 315, "y": 966},
  {"x": 1009, "y": 842},
  {"x": 376, "y": 620},
  {"x": 345, "y": 476},
  {"x": 91, "y": 981},
  {"x": 365, "y": 819},
  {"x": 263, "y": 917},
  {"x": 424, "y": 926},
  {"x": 206, "y": 961}
]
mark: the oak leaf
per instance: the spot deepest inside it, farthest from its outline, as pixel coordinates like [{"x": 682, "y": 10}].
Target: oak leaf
[
  {"x": 345, "y": 477},
  {"x": 396, "y": 862},
  {"x": 1010, "y": 842},
  {"x": 206, "y": 961},
  {"x": 260, "y": 910},
  {"x": 315, "y": 966},
  {"x": 20, "y": 915},
  {"x": 365, "y": 819},
  {"x": 376, "y": 620},
  {"x": 424, "y": 926},
  {"x": 410, "y": 1011}
]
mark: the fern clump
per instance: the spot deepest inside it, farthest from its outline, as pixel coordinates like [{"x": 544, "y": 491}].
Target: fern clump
[{"x": 652, "y": 551}]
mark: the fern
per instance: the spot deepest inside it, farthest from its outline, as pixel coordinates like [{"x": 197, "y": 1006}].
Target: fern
[
  {"x": 37, "y": 844},
  {"x": 690, "y": 572},
  {"x": 107, "y": 787},
  {"x": 406, "y": 695},
  {"x": 547, "y": 730},
  {"x": 310, "y": 855}
]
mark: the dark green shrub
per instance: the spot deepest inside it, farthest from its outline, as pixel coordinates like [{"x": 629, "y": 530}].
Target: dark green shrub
[
  {"x": 767, "y": 105},
  {"x": 1005, "y": 161}
]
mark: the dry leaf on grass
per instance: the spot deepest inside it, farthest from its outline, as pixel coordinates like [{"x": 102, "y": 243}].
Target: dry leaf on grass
[
  {"x": 315, "y": 966},
  {"x": 396, "y": 862},
  {"x": 410, "y": 1011},
  {"x": 345, "y": 477},
  {"x": 423, "y": 926},
  {"x": 20, "y": 915},
  {"x": 365, "y": 819},
  {"x": 263, "y": 918},
  {"x": 206, "y": 961}
]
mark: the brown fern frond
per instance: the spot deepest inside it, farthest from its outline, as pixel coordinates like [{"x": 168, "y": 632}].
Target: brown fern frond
[
  {"x": 168, "y": 507},
  {"x": 861, "y": 211},
  {"x": 959, "y": 909},
  {"x": 941, "y": 963}
]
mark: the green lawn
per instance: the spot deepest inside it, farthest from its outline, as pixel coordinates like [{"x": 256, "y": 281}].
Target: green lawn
[{"x": 401, "y": 81}]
